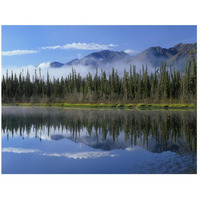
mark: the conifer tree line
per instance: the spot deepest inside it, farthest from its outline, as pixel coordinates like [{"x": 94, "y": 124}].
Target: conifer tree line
[{"x": 164, "y": 85}]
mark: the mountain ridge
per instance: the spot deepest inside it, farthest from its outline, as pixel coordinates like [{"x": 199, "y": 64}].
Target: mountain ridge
[{"x": 177, "y": 56}]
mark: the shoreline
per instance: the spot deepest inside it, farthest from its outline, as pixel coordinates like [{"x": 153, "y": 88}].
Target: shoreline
[{"x": 102, "y": 105}]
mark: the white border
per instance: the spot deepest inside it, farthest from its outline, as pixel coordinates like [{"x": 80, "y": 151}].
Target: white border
[{"x": 104, "y": 12}]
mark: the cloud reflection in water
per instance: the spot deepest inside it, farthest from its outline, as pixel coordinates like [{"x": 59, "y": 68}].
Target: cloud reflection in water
[{"x": 78, "y": 155}]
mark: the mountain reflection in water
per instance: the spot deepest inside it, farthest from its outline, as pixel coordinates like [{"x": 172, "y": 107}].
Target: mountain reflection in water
[{"x": 105, "y": 130}]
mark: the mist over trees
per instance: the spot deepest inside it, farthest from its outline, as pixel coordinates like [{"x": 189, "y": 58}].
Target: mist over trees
[{"x": 164, "y": 85}]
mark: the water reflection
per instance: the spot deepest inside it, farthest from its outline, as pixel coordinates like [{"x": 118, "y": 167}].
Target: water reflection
[
  {"x": 155, "y": 131},
  {"x": 79, "y": 155}
]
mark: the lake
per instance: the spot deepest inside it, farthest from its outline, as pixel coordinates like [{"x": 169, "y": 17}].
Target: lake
[{"x": 46, "y": 140}]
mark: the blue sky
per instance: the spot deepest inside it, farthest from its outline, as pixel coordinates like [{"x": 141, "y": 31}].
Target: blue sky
[{"x": 32, "y": 45}]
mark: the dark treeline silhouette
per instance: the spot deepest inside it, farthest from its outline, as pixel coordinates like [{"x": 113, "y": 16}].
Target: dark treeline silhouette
[
  {"x": 164, "y": 85},
  {"x": 166, "y": 130}
]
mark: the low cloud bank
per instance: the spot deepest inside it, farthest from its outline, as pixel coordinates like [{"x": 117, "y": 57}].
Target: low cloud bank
[{"x": 65, "y": 70}]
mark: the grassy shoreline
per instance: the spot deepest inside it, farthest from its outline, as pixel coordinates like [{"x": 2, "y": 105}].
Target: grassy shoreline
[{"x": 102, "y": 105}]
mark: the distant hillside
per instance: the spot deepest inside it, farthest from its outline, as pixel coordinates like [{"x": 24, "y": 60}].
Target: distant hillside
[
  {"x": 56, "y": 64},
  {"x": 98, "y": 58},
  {"x": 177, "y": 56}
]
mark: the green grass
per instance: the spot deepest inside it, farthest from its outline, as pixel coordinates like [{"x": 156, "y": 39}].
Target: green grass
[{"x": 102, "y": 105}]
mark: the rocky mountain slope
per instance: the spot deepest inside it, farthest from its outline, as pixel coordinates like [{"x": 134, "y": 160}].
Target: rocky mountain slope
[{"x": 177, "y": 56}]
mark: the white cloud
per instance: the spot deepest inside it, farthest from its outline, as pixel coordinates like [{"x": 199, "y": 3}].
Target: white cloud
[
  {"x": 81, "y": 155},
  {"x": 44, "y": 65},
  {"x": 18, "y": 150},
  {"x": 131, "y": 51},
  {"x": 82, "y": 46},
  {"x": 18, "y": 52}
]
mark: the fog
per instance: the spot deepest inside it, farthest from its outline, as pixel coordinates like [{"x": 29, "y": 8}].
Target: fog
[
  {"x": 45, "y": 67},
  {"x": 66, "y": 69}
]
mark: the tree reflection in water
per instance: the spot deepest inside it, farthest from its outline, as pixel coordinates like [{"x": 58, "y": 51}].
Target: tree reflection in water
[{"x": 156, "y": 131}]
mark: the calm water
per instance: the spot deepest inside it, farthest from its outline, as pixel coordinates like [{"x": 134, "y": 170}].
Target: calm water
[{"x": 57, "y": 140}]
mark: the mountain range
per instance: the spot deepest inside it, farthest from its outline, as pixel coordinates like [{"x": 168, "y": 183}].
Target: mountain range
[
  {"x": 177, "y": 56},
  {"x": 107, "y": 145}
]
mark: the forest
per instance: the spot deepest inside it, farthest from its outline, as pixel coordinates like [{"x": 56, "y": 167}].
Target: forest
[{"x": 164, "y": 85}]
